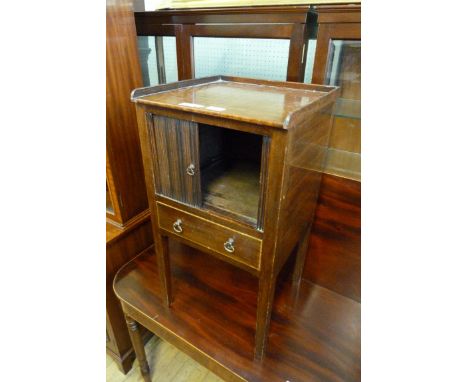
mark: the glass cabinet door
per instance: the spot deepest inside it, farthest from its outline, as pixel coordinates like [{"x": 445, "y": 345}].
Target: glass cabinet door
[{"x": 344, "y": 70}]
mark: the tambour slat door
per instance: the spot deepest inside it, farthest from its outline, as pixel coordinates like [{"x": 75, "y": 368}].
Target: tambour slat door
[{"x": 175, "y": 152}]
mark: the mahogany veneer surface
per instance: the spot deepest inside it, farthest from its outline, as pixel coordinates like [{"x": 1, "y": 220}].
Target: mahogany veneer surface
[
  {"x": 266, "y": 104},
  {"x": 314, "y": 335}
]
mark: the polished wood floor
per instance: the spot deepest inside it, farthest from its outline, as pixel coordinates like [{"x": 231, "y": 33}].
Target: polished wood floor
[{"x": 167, "y": 364}]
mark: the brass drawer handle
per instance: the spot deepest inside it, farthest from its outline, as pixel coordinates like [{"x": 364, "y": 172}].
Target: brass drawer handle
[
  {"x": 229, "y": 245},
  {"x": 177, "y": 226},
  {"x": 190, "y": 169}
]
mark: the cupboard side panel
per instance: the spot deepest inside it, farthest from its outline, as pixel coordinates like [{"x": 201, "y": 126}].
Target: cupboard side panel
[{"x": 306, "y": 156}]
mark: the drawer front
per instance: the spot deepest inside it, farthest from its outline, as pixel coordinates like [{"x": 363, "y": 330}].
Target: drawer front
[{"x": 245, "y": 249}]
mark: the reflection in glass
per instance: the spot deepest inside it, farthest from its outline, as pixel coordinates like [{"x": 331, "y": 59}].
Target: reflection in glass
[
  {"x": 245, "y": 57},
  {"x": 312, "y": 45},
  {"x": 344, "y": 70},
  {"x": 158, "y": 59},
  {"x": 109, "y": 207}
]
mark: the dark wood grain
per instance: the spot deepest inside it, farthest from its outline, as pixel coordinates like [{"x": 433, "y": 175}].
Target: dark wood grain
[
  {"x": 339, "y": 13},
  {"x": 297, "y": 53},
  {"x": 174, "y": 149},
  {"x": 334, "y": 257},
  {"x": 123, "y": 74},
  {"x": 128, "y": 228},
  {"x": 184, "y": 47},
  {"x": 284, "y": 31},
  {"x": 274, "y": 100},
  {"x": 148, "y": 29},
  {"x": 314, "y": 335}
]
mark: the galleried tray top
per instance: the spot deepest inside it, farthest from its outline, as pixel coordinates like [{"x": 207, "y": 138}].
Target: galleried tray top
[{"x": 264, "y": 102}]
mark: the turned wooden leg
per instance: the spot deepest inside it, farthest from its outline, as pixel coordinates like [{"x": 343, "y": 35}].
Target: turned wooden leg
[
  {"x": 162, "y": 253},
  {"x": 137, "y": 342},
  {"x": 300, "y": 257},
  {"x": 266, "y": 294}
]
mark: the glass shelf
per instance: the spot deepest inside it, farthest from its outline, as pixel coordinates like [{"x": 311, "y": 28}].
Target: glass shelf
[
  {"x": 344, "y": 70},
  {"x": 348, "y": 108},
  {"x": 343, "y": 163}
]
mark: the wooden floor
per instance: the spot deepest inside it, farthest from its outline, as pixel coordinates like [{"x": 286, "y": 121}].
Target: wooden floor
[{"x": 167, "y": 365}]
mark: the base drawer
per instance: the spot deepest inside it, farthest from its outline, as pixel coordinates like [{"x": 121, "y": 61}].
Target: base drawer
[{"x": 218, "y": 238}]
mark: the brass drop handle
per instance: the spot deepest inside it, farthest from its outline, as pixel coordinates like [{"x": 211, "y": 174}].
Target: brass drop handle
[
  {"x": 177, "y": 226},
  {"x": 190, "y": 169},
  {"x": 229, "y": 245}
]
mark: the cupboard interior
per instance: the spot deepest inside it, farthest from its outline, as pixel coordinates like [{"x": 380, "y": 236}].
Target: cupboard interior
[{"x": 230, "y": 166}]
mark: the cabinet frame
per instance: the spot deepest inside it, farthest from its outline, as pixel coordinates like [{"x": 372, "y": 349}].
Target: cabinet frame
[
  {"x": 277, "y": 22},
  {"x": 334, "y": 23}
]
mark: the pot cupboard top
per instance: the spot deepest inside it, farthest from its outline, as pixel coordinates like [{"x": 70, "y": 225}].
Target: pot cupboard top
[{"x": 268, "y": 103}]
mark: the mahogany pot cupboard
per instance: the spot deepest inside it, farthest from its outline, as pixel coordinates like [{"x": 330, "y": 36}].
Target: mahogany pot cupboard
[
  {"x": 235, "y": 231},
  {"x": 233, "y": 167}
]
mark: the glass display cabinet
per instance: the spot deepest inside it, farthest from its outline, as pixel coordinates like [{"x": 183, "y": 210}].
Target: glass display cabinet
[
  {"x": 267, "y": 42},
  {"x": 233, "y": 167},
  {"x": 338, "y": 63}
]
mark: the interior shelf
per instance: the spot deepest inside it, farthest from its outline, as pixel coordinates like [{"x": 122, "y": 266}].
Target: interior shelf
[
  {"x": 234, "y": 191},
  {"x": 314, "y": 333},
  {"x": 230, "y": 163}
]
